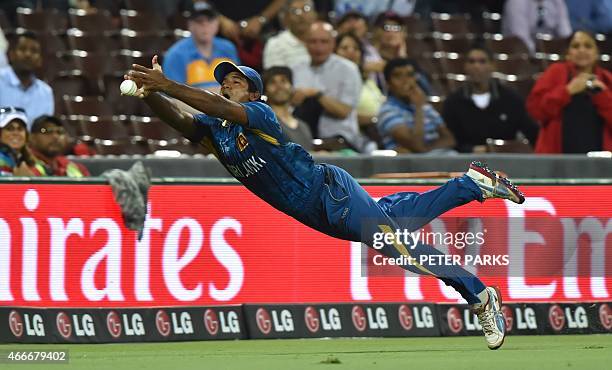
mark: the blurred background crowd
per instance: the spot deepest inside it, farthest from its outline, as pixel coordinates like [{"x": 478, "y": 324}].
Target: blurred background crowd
[{"x": 344, "y": 76}]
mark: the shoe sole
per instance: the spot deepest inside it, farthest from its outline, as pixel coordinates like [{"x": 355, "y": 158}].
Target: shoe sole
[
  {"x": 499, "y": 297},
  {"x": 481, "y": 169}
]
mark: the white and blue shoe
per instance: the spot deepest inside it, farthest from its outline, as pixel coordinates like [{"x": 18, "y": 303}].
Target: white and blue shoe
[
  {"x": 493, "y": 185},
  {"x": 491, "y": 318}
]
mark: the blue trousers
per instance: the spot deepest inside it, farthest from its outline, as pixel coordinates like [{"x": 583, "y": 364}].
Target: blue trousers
[{"x": 346, "y": 211}]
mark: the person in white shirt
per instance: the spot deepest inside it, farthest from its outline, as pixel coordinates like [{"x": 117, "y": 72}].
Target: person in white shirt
[{"x": 287, "y": 48}]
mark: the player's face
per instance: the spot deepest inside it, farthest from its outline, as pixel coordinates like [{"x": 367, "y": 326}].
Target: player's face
[
  {"x": 203, "y": 29},
  {"x": 49, "y": 140},
  {"x": 235, "y": 88},
  {"x": 478, "y": 66},
  {"x": 583, "y": 51},
  {"x": 403, "y": 81},
  {"x": 26, "y": 56},
  {"x": 320, "y": 44},
  {"x": 14, "y": 135},
  {"x": 279, "y": 89}
]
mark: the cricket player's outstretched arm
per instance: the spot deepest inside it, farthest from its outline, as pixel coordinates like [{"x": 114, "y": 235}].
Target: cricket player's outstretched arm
[
  {"x": 152, "y": 80},
  {"x": 169, "y": 112}
]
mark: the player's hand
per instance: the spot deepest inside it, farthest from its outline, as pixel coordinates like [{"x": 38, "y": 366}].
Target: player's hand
[
  {"x": 148, "y": 79},
  {"x": 299, "y": 95}
]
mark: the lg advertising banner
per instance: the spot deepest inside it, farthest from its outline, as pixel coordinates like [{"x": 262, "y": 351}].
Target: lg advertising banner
[{"x": 64, "y": 245}]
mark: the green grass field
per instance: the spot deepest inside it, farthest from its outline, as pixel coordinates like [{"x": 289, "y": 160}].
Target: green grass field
[{"x": 519, "y": 352}]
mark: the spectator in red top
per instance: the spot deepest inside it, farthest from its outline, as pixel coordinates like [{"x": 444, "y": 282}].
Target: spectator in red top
[
  {"x": 572, "y": 101},
  {"x": 47, "y": 142}
]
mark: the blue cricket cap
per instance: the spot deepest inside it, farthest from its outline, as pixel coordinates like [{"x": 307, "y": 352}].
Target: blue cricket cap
[{"x": 223, "y": 68}]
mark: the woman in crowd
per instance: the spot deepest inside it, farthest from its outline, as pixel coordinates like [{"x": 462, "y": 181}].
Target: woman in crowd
[
  {"x": 15, "y": 157},
  {"x": 349, "y": 46},
  {"x": 572, "y": 101}
]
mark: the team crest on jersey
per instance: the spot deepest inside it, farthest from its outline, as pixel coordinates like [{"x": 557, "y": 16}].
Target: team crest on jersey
[{"x": 242, "y": 142}]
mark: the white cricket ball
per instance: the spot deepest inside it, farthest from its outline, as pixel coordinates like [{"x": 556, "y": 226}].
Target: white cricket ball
[{"x": 128, "y": 87}]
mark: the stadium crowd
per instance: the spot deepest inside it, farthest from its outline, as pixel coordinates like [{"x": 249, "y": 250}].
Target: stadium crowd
[{"x": 348, "y": 76}]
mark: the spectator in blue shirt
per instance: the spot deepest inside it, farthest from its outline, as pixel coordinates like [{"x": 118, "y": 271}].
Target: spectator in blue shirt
[
  {"x": 19, "y": 87},
  {"x": 589, "y": 15},
  {"x": 406, "y": 122},
  {"x": 192, "y": 60}
]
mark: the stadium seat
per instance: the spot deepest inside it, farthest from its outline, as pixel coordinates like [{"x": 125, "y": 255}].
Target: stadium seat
[
  {"x": 43, "y": 21},
  {"x": 491, "y": 22},
  {"x": 453, "y": 66},
  {"x": 145, "y": 41},
  {"x": 416, "y": 47},
  {"x": 179, "y": 21},
  {"x": 52, "y": 43},
  {"x": 88, "y": 106},
  {"x": 605, "y": 46},
  {"x": 100, "y": 22},
  {"x": 429, "y": 64},
  {"x": 104, "y": 129},
  {"x": 93, "y": 66},
  {"x": 5, "y": 23},
  {"x": 521, "y": 85},
  {"x": 455, "y": 24},
  {"x": 515, "y": 66},
  {"x": 506, "y": 45},
  {"x": 415, "y": 26},
  {"x": 142, "y": 21},
  {"x": 183, "y": 146},
  {"x": 453, "y": 44},
  {"x": 109, "y": 147},
  {"x": 548, "y": 45},
  {"x": 140, "y": 5},
  {"x": 71, "y": 85},
  {"x": 154, "y": 130},
  {"x": 92, "y": 42},
  {"x": 55, "y": 65},
  {"x": 508, "y": 146},
  {"x": 438, "y": 86}
]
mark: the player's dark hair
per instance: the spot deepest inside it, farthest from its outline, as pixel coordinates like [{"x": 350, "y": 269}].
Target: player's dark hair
[
  {"x": 14, "y": 39},
  {"x": 397, "y": 63},
  {"x": 252, "y": 87}
]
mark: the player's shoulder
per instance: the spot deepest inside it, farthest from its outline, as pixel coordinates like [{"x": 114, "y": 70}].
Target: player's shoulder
[{"x": 202, "y": 118}]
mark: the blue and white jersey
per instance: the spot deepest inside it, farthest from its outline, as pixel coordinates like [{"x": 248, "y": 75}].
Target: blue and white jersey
[{"x": 280, "y": 172}]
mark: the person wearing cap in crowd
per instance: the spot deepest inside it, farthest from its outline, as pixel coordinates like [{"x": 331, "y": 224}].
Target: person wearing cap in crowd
[
  {"x": 47, "y": 142},
  {"x": 244, "y": 134},
  {"x": 278, "y": 82},
  {"x": 287, "y": 48},
  {"x": 191, "y": 60},
  {"x": 19, "y": 87},
  {"x": 327, "y": 91},
  {"x": 15, "y": 157}
]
